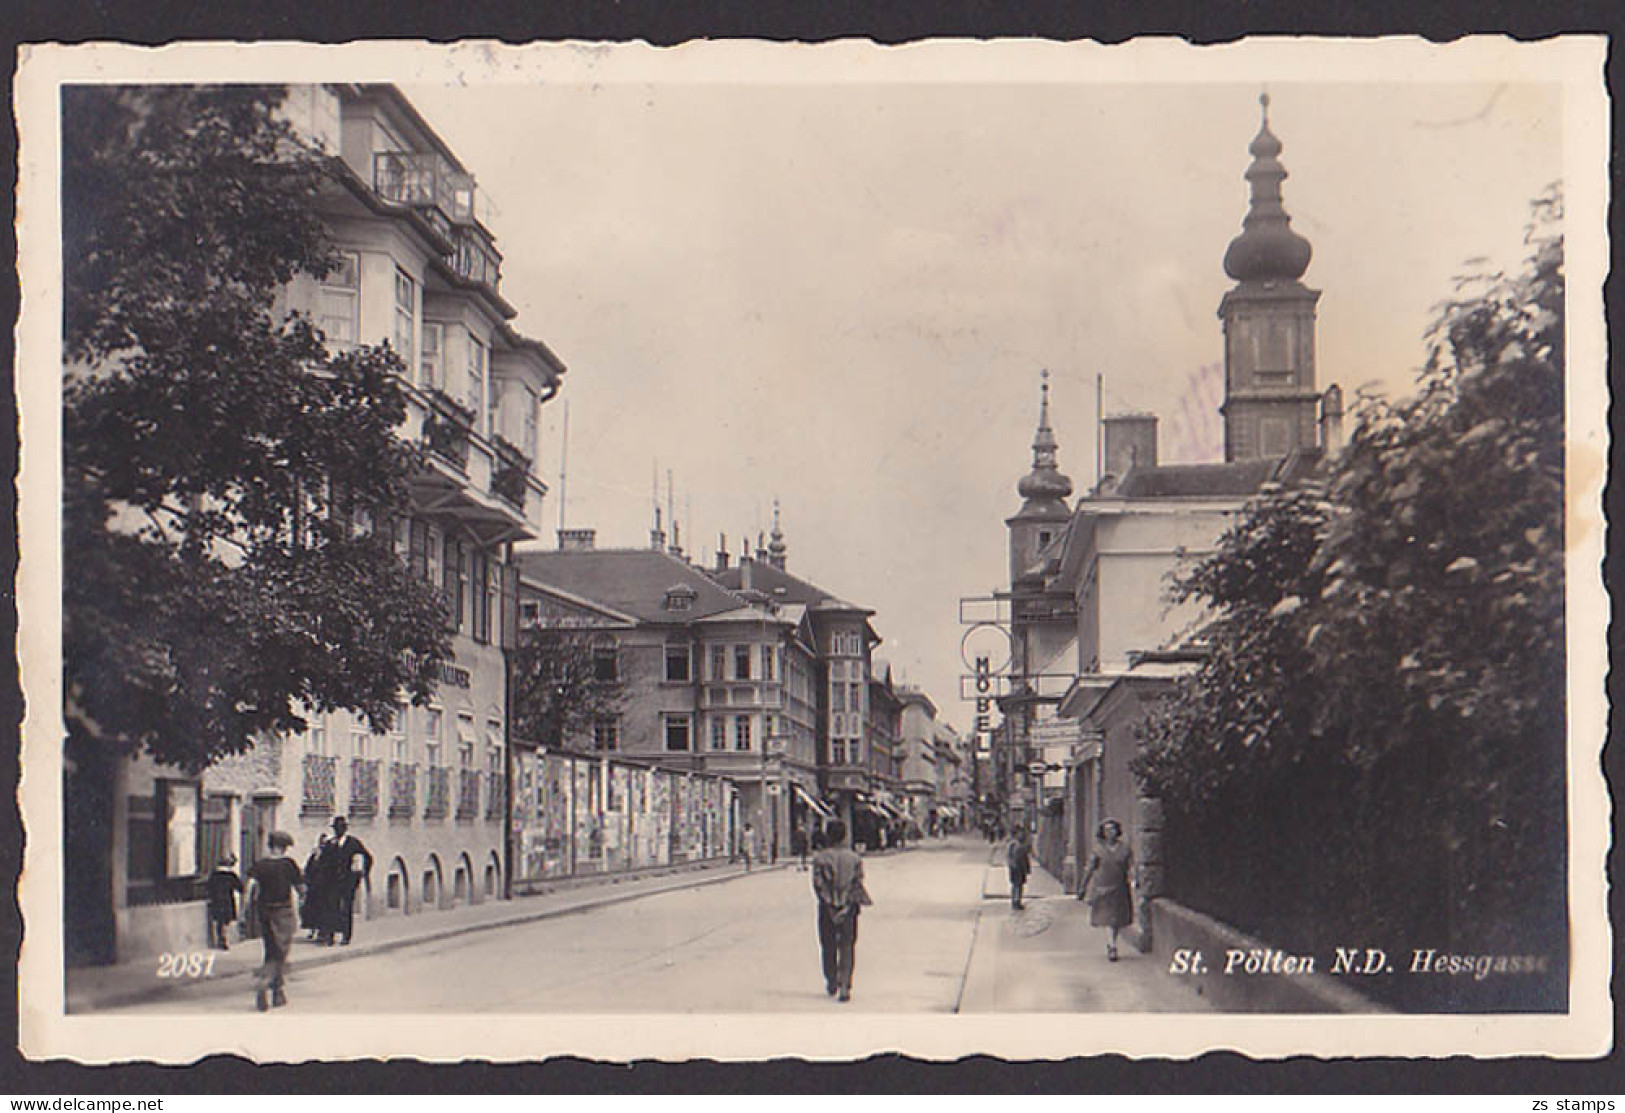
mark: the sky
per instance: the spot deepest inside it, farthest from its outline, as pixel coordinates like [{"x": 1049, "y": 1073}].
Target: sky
[{"x": 841, "y": 295}]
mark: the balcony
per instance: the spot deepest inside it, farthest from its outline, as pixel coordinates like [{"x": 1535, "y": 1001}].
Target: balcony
[
  {"x": 319, "y": 784},
  {"x": 446, "y": 429},
  {"x": 426, "y": 182},
  {"x": 439, "y": 795},
  {"x": 468, "y": 793},
  {"x": 364, "y": 786},
  {"x": 403, "y": 790},
  {"x": 509, "y": 476},
  {"x": 495, "y": 798},
  {"x": 476, "y": 258}
]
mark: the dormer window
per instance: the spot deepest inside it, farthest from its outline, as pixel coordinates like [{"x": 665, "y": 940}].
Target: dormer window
[{"x": 680, "y": 597}]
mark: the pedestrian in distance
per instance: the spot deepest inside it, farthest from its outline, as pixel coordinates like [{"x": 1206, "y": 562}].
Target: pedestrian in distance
[
  {"x": 1106, "y": 883},
  {"x": 348, "y": 862},
  {"x": 272, "y": 883},
  {"x": 837, "y": 879},
  {"x": 745, "y": 841},
  {"x": 803, "y": 844},
  {"x": 1018, "y": 857},
  {"x": 221, "y": 890},
  {"x": 313, "y": 910}
]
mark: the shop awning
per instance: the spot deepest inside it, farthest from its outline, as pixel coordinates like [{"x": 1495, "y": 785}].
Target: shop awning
[{"x": 812, "y": 801}]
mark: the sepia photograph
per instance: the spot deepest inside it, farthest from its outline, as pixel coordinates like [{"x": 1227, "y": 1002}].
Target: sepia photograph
[{"x": 527, "y": 550}]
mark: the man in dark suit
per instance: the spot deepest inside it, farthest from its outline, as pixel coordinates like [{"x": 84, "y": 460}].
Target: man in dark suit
[
  {"x": 837, "y": 878},
  {"x": 348, "y": 860}
]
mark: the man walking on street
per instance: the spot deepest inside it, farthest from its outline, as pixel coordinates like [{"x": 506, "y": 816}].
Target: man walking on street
[
  {"x": 837, "y": 878},
  {"x": 1020, "y": 860},
  {"x": 349, "y": 861}
]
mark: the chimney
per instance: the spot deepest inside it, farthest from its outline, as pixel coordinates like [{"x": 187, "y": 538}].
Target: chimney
[
  {"x": 657, "y": 536},
  {"x": 676, "y": 549},
  {"x": 1131, "y": 442},
  {"x": 745, "y": 567},
  {"x": 577, "y": 540},
  {"x": 1331, "y": 419},
  {"x": 722, "y": 552},
  {"x": 761, "y": 548}
]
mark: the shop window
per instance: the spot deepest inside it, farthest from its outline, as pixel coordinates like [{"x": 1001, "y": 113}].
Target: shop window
[{"x": 179, "y": 804}]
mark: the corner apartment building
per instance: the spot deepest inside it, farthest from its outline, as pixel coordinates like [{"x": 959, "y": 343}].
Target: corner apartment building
[
  {"x": 420, "y": 269},
  {"x": 714, "y": 679}
]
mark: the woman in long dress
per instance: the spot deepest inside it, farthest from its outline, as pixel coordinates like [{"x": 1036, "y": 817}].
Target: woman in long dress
[{"x": 1106, "y": 885}]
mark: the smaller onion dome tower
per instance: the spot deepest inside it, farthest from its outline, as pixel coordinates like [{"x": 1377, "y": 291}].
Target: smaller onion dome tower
[{"x": 1044, "y": 511}]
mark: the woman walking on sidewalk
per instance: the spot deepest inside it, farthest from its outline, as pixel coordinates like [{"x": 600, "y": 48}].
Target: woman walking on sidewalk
[
  {"x": 1105, "y": 883},
  {"x": 271, "y": 885}
]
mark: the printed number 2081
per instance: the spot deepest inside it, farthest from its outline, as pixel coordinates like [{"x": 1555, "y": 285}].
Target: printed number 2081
[{"x": 194, "y": 965}]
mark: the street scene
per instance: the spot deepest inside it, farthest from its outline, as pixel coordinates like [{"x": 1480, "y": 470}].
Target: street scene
[
  {"x": 609, "y": 543},
  {"x": 945, "y": 940}
]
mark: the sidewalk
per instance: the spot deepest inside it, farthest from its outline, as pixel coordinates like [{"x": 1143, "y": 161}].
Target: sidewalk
[
  {"x": 1047, "y": 958},
  {"x": 97, "y": 987}
]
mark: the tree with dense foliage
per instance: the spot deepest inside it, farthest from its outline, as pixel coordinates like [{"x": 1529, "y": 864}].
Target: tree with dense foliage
[
  {"x": 565, "y": 680},
  {"x": 1375, "y": 746},
  {"x": 230, "y": 486}
]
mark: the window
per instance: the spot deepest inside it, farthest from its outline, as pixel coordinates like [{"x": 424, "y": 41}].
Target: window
[
  {"x": 465, "y": 741},
  {"x": 741, "y": 732},
  {"x": 179, "y": 803},
  {"x": 741, "y": 662},
  {"x": 316, "y": 735},
  {"x": 677, "y": 732},
  {"x": 338, "y": 306},
  {"x": 605, "y": 664},
  {"x": 767, "y": 729},
  {"x": 360, "y": 742},
  {"x": 837, "y": 751},
  {"x": 474, "y": 384},
  {"x": 454, "y": 581},
  {"x": 480, "y": 600},
  {"x": 406, "y": 312},
  {"x": 677, "y": 665},
  {"x": 431, "y": 735},
  {"x": 606, "y": 734},
  {"x": 417, "y": 553},
  {"x": 719, "y": 733},
  {"x": 855, "y": 696},
  {"x": 493, "y": 744},
  {"x": 767, "y": 662},
  {"x": 719, "y": 662},
  {"x": 1043, "y": 538},
  {"x": 530, "y": 613},
  {"x": 532, "y": 444},
  {"x": 431, "y": 354},
  {"x": 837, "y": 696}
]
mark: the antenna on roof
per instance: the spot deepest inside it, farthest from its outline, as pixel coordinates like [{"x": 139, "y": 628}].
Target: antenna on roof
[
  {"x": 1100, "y": 428},
  {"x": 564, "y": 458}
]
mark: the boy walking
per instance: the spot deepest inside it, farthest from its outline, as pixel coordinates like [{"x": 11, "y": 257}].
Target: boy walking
[{"x": 837, "y": 878}]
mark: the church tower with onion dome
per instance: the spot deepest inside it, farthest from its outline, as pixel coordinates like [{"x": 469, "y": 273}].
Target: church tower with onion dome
[
  {"x": 1044, "y": 511},
  {"x": 1271, "y": 402}
]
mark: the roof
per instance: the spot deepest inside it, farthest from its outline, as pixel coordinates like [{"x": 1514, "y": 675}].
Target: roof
[
  {"x": 766, "y": 578},
  {"x": 1238, "y": 479},
  {"x": 634, "y": 581}
]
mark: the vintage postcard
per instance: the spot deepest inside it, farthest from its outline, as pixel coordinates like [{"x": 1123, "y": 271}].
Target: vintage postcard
[{"x": 751, "y": 549}]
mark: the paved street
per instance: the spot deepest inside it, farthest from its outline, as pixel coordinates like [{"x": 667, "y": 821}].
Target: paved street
[{"x": 748, "y": 945}]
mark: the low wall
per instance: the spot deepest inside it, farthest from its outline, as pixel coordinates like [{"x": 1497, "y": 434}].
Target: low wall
[
  {"x": 151, "y": 930},
  {"x": 1278, "y": 984}
]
